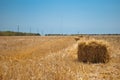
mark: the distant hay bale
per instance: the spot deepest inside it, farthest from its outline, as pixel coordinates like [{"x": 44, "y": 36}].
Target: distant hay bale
[
  {"x": 93, "y": 51},
  {"x": 77, "y": 38}
]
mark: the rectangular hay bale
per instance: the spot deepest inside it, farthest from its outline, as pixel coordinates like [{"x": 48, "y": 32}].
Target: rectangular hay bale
[{"x": 93, "y": 51}]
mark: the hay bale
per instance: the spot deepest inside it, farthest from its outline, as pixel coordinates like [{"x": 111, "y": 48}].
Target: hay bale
[
  {"x": 77, "y": 38},
  {"x": 93, "y": 51}
]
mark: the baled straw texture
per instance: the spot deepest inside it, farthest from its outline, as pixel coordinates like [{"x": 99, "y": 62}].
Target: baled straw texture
[{"x": 93, "y": 51}]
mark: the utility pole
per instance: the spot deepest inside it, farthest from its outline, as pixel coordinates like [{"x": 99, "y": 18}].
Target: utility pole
[
  {"x": 18, "y": 28},
  {"x": 42, "y": 32},
  {"x": 30, "y": 29},
  {"x": 37, "y": 30}
]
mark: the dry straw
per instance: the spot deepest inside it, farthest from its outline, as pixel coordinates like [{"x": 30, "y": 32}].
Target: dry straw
[{"x": 93, "y": 51}]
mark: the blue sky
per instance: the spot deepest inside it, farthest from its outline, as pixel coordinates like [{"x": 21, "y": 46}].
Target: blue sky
[{"x": 61, "y": 16}]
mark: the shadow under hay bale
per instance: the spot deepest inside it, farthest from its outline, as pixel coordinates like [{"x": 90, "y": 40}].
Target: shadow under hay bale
[{"x": 93, "y": 51}]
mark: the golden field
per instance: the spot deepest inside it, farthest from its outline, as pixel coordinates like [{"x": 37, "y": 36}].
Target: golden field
[{"x": 54, "y": 58}]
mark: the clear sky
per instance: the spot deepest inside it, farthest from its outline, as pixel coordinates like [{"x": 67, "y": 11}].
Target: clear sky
[{"x": 61, "y": 16}]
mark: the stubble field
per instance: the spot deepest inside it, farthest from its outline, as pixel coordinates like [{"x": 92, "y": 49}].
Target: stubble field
[{"x": 54, "y": 58}]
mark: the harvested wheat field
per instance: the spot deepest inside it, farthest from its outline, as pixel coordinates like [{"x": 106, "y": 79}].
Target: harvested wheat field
[{"x": 54, "y": 58}]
